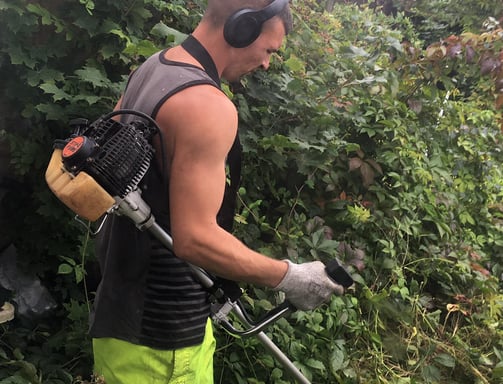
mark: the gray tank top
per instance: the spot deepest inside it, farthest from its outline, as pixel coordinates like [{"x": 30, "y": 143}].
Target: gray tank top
[
  {"x": 157, "y": 79},
  {"x": 147, "y": 295}
]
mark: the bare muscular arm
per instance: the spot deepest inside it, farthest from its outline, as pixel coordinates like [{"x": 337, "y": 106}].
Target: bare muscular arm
[{"x": 199, "y": 126}]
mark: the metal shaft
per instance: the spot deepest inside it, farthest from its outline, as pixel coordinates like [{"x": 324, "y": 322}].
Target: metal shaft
[
  {"x": 282, "y": 358},
  {"x": 137, "y": 210},
  {"x": 273, "y": 348}
]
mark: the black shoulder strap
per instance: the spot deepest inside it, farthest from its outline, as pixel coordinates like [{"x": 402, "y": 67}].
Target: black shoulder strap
[{"x": 196, "y": 49}]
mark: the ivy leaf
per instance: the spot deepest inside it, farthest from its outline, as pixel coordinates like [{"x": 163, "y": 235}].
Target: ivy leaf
[
  {"x": 171, "y": 34},
  {"x": 52, "y": 111},
  {"x": 65, "y": 269},
  {"x": 89, "y": 23},
  {"x": 45, "y": 15},
  {"x": 33, "y": 78},
  {"x": 395, "y": 43},
  {"x": 431, "y": 374},
  {"x": 89, "y": 99},
  {"x": 336, "y": 360},
  {"x": 18, "y": 57},
  {"x": 94, "y": 76},
  {"x": 57, "y": 93},
  {"x": 316, "y": 364},
  {"x": 143, "y": 48},
  {"x": 446, "y": 360},
  {"x": 354, "y": 51},
  {"x": 121, "y": 35},
  {"x": 498, "y": 371},
  {"x": 295, "y": 64}
]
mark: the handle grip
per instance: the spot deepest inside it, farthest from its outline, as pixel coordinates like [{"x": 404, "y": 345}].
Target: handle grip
[
  {"x": 338, "y": 273},
  {"x": 334, "y": 270}
]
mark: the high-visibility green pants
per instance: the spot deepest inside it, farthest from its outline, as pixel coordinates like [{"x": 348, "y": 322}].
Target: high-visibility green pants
[{"x": 120, "y": 362}]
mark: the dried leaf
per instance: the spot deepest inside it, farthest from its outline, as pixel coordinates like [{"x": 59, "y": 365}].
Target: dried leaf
[
  {"x": 375, "y": 165},
  {"x": 368, "y": 174},
  {"x": 415, "y": 105},
  {"x": 355, "y": 163}
]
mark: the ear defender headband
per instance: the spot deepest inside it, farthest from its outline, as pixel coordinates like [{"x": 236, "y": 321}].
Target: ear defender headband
[{"x": 244, "y": 26}]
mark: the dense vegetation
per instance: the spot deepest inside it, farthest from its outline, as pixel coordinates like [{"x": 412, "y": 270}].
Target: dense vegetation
[{"x": 373, "y": 138}]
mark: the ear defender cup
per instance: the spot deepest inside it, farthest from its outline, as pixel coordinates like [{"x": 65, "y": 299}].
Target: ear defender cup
[{"x": 244, "y": 26}]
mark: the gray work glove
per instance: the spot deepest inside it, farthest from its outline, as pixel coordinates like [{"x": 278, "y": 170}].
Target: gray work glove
[{"x": 307, "y": 285}]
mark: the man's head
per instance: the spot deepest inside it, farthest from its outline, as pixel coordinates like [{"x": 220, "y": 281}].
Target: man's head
[
  {"x": 232, "y": 61},
  {"x": 243, "y": 20}
]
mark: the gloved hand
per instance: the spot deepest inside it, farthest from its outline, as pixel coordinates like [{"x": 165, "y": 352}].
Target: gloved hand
[{"x": 307, "y": 285}]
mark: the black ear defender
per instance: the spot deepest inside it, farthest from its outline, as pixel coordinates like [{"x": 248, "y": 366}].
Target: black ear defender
[{"x": 244, "y": 26}]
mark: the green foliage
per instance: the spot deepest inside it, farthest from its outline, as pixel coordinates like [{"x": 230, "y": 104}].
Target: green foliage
[
  {"x": 60, "y": 60},
  {"x": 437, "y": 19},
  {"x": 360, "y": 145},
  {"x": 397, "y": 152}
]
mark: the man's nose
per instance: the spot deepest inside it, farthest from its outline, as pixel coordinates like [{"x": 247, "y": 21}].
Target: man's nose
[{"x": 265, "y": 64}]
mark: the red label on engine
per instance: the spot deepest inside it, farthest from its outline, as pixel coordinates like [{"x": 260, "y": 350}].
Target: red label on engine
[{"x": 73, "y": 146}]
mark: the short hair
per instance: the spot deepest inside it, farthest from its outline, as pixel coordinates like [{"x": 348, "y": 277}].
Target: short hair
[{"x": 218, "y": 11}]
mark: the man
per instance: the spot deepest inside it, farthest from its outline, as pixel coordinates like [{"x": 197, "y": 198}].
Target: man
[{"x": 150, "y": 319}]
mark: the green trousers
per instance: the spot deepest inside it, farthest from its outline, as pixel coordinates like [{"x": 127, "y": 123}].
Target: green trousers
[{"x": 120, "y": 362}]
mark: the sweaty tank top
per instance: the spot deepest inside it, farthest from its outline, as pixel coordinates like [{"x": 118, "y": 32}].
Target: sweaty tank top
[{"x": 147, "y": 295}]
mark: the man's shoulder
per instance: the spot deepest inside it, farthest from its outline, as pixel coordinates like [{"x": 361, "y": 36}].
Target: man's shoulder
[
  {"x": 203, "y": 96},
  {"x": 197, "y": 106}
]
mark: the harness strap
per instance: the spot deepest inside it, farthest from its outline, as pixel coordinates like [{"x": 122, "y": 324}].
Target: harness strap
[{"x": 196, "y": 49}]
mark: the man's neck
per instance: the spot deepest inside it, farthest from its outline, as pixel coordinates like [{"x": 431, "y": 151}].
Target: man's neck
[
  {"x": 197, "y": 50},
  {"x": 214, "y": 45}
]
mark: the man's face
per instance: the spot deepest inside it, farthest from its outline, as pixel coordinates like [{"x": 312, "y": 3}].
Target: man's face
[{"x": 258, "y": 54}]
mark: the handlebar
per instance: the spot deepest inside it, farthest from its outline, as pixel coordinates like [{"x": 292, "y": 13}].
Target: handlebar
[
  {"x": 338, "y": 273},
  {"x": 334, "y": 270}
]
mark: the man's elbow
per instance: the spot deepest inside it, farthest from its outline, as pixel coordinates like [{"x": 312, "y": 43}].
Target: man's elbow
[{"x": 187, "y": 247}]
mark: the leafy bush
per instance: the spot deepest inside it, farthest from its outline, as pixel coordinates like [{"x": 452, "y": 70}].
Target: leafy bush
[
  {"x": 360, "y": 145},
  {"x": 435, "y": 20},
  {"x": 61, "y": 60},
  {"x": 362, "y": 139}
]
